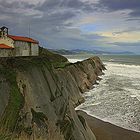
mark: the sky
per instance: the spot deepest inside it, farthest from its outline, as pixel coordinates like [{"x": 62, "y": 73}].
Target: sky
[{"x": 107, "y": 25}]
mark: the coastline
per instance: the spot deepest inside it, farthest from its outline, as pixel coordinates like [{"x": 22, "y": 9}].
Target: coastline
[
  {"x": 116, "y": 98},
  {"x": 107, "y": 131}
]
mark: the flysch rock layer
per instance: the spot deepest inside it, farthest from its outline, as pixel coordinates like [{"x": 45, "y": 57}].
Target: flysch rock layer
[{"x": 37, "y": 101}]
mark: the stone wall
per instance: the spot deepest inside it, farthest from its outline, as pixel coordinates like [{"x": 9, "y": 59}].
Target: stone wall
[
  {"x": 20, "y": 48},
  {"x": 26, "y": 49},
  {"x": 34, "y": 49},
  {"x": 6, "y": 52}
]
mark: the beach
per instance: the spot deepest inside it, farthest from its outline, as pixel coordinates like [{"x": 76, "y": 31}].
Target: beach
[{"x": 107, "y": 131}]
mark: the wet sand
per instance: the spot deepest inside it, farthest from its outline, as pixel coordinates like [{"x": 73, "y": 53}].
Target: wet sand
[{"x": 107, "y": 131}]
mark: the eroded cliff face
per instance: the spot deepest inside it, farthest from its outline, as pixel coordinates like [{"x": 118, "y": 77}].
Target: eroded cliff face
[{"x": 37, "y": 101}]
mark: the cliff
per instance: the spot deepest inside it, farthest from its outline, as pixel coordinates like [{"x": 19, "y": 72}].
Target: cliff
[{"x": 37, "y": 98}]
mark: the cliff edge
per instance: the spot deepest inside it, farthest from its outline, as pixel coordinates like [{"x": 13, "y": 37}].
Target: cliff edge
[{"x": 37, "y": 98}]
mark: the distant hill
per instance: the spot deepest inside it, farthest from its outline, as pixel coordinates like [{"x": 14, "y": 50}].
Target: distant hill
[{"x": 78, "y": 51}]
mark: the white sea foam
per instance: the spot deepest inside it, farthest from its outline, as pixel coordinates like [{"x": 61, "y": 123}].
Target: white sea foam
[
  {"x": 124, "y": 70},
  {"x": 74, "y": 60},
  {"x": 117, "y": 98}
]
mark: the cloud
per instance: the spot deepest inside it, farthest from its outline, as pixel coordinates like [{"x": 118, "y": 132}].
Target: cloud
[
  {"x": 126, "y": 44},
  {"x": 133, "y": 19},
  {"x": 67, "y": 4},
  {"x": 50, "y": 12},
  {"x": 72, "y": 23},
  {"x": 45, "y": 17},
  {"x": 135, "y": 13},
  {"x": 124, "y": 36},
  {"x": 74, "y": 38},
  {"x": 129, "y": 30},
  {"x": 114, "y": 5},
  {"x": 18, "y": 8},
  {"x": 94, "y": 37},
  {"x": 120, "y": 4}
]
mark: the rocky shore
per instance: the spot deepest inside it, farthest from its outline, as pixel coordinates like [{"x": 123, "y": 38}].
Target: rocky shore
[{"x": 38, "y": 96}]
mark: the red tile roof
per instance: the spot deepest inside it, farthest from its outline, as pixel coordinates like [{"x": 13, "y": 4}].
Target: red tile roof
[
  {"x": 3, "y": 46},
  {"x": 20, "y": 38}
]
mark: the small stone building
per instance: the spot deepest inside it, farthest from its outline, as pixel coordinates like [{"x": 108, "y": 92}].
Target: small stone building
[{"x": 11, "y": 45}]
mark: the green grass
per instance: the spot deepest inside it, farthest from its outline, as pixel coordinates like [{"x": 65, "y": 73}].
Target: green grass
[
  {"x": 9, "y": 118},
  {"x": 4, "y": 137},
  {"x": 9, "y": 121},
  {"x": 57, "y": 60},
  {"x": 53, "y": 57}
]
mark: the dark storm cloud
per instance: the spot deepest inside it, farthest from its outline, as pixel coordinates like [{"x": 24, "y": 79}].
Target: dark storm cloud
[
  {"x": 113, "y": 5},
  {"x": 73, "y": 4},
  {"x": 12, "y": 12},
  {"x": 45, "y": 18},
  {"x": 77, "y": 4},
  {"x": 135, "y": 13},
  {"x": 133, "y": 19},
  {"x": 120, "y": 4},
  {"x": 58, "y": 13},
  {"x": 9, "y": 8},
  {"x": 50, "y": 14}
]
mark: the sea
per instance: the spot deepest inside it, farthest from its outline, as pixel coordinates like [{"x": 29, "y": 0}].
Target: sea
[{"x": 117, "y": 97}]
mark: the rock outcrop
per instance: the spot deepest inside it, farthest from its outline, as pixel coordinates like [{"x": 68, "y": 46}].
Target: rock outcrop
[{"x": 37, "y": 100}]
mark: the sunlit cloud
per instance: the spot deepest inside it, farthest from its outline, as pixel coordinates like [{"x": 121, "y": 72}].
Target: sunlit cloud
[{"x": 123, "y": 37}]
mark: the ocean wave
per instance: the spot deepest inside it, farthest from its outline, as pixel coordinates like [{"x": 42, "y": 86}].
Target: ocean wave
[
  {"x": 123, "y": 69},
  {"x": 74, "y": 60},
  {"x": 122, "y": 65},
  {"x": 117, "y": 98}
]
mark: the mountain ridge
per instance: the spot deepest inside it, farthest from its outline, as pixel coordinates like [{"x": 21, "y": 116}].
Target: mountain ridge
[{"x": 79, "y": 51}]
